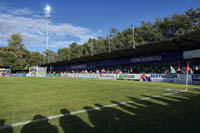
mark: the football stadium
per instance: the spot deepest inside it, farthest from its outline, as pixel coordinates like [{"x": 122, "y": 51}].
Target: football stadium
[{"x": 142, "y": 79}]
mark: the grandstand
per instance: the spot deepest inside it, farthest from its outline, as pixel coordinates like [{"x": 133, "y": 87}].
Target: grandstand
[{"x": 176, "y": 52}]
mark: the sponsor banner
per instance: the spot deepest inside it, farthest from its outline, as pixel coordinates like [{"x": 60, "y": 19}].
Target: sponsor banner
[
  {"x": 94, "y": 76},
  {"x": 21, "y": 75},
  {"x": 158, "y": 58},
  {"x": 128, "y": 76},
  {"x": 28, "y": 75},
  {"x": 146, "y": 59},
  {"x": 81, "y": 66},
  {"x": 80, "y": 75},
  {"x": 51, "y": 75},
  {"x": 170, "y": 78},
  {"x": 108, "y": 76},
  {"x": 57, "y": 74},
  {"x": 71, "y": 75},
  {"x": 85, "y": 75},
  {"x": 181, "y": 78},
  {"x": 196, "y": 79},
  {"x": 145, "y": 77},
  {"x": 10, "y": 75}
]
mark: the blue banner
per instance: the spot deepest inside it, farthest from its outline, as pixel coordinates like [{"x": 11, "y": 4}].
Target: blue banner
[{"x": 196, "y": 79}]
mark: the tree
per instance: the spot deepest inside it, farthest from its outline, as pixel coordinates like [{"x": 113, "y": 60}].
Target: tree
[
  {"x": 36, "y": 59},
  {"x": 17, "y": 48},
  {"x": 74, "y": 50},
  {"x": 101, "y": 45},
  {"x": 15, "y": 41},
  {"x": 8, "y": 57},
  {"x": 89, "y": 47},
  {"x": 63, "y": 54},
  {"x": 50, "y": 56},
  {"x": 194, "y": 19}
]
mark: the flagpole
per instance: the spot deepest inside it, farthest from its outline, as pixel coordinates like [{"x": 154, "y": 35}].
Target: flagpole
[
  {"x": 186, "y": 86},
  {"x": 187, "y": 71}
]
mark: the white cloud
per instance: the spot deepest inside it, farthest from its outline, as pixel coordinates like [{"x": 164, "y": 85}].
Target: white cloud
[
  {"x": 24, "y": 11},
  {"x": 33, "y": 30}
]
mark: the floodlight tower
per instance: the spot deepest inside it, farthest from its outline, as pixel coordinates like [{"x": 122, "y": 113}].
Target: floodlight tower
[
  {"x": 47, "y": 11},
  {"x": 109, "y": 42},
  {"x": 133, "y": 35}
]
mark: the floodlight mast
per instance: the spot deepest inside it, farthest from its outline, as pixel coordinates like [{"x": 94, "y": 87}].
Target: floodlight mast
[
  {"x": 47, "y": 11},
  {"x": 133, "y": 36}
]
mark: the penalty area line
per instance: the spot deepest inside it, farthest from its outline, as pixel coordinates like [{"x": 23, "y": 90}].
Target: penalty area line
[{"x": 85, "y": 110}]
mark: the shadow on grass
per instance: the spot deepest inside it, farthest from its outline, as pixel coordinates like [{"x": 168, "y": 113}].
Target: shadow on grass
[
  {"x": 39, "y": 127},
  {"x": 170, "y": 114},
  {"x": 178, "y": 113},
  {"x": 6, "y": 130},
  {"x": 72, "y": 123}
]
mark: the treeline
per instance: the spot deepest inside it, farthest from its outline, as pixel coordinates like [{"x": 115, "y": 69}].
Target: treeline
[
  {"x": 18, "y": 57},
  {"x": 161, "y": 29}
]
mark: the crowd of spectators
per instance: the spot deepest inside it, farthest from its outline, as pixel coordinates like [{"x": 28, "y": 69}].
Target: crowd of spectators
[{"x": 137, "y": 69}]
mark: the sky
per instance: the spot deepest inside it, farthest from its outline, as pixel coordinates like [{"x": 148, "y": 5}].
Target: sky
[{"x": 78, "y": 20}]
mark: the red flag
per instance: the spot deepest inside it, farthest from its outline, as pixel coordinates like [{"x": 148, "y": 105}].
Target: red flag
[{"x": 188, "y": 68}]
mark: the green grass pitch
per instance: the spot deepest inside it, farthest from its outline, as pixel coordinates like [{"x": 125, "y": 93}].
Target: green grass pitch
[{"x": 23, "y": 99}]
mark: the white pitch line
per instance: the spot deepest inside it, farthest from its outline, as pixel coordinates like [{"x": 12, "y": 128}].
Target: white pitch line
[{"x": 84, "y": 111}]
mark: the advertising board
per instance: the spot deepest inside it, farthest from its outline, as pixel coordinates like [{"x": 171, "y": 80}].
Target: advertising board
[
  {"x": 85, "y": 75},
  {"x": 108, "y": 76},
  {"x": 128, "y": 76},
  {"x": 196, "y": 79},
  {"x": 69, "y": 75}
]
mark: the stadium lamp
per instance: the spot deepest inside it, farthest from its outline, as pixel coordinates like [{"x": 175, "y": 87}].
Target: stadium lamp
[
  {"x": 47, "y": 11},
  {"x": 48, "y": 8}
]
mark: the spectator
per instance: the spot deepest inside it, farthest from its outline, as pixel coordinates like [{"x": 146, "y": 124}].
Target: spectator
[
  {"x": 196, "y": 70},
  {"x": 159, "y": 69},
  {"x": 97, "y": 71},
  {"x": 166, "y": 71},
  {"x": 172, "y": 70},
  {"x": 178, "y": 70},
  {"x": 191, "y": 71}
]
